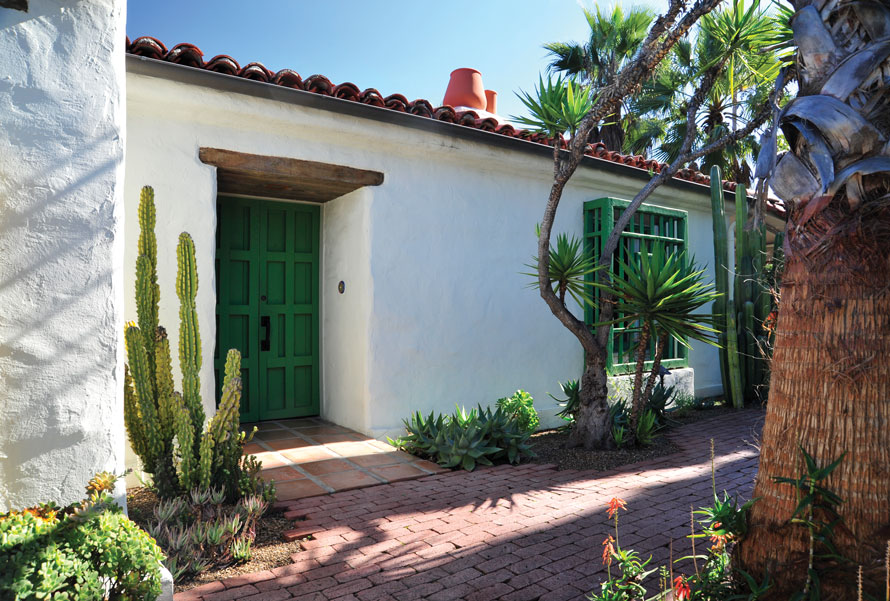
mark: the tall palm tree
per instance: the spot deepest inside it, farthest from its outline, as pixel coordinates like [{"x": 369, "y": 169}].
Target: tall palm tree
[
  {"x": 830, "y": 386},
  {"x": 742, "y": 35},
  {"x": 614, "y": 39}
]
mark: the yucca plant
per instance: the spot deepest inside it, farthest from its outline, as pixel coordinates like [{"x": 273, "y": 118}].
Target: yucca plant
[
  {"x": 572, "y": 391},
  {"x": 570, "y": 268},
  {"x": 662, "y": 291},
  {"x": 556, "y": 107}
]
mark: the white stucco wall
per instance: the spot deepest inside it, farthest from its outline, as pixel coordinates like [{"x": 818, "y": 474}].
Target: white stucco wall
[
  {"x": 435, "y": 310},
  {"x": 62, "y": 125}
]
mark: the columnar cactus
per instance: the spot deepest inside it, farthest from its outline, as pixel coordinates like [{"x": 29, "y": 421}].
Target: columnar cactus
[
  {"x": 166, "y": 428},
  {"x": 189, "y": 337},
  {"x": 745, "y": 303}
]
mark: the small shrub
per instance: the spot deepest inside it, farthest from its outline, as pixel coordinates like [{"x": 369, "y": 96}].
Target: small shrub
[
  {"x": 466, "y": 439},
  {"x": 572, "y": 391},
  {"x": 521, "y": 407},
  {"x": 647, "y": 428},
  {"x": 199, "y": 531},
  {"x": 87, "y": 551},
  {"x": 658, "y": 401}
]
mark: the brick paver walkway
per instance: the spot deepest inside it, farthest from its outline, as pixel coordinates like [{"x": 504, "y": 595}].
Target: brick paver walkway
[{"x": 514, "y": 533}]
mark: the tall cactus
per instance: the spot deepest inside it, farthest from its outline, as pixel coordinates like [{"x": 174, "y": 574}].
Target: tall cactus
[
  {"x": 721, "y": 271},
  {"x": 167, "y": 429},
  {"x": 746, "y": 303}
]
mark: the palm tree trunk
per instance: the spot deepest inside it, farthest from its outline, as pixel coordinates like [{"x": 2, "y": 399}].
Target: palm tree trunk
[{"x": 830, "y": 393}]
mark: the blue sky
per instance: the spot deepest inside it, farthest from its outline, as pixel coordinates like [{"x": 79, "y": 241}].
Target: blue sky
[{"x": 395, "y": 46}]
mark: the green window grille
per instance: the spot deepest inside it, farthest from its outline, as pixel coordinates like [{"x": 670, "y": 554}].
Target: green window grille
[{"x": 649, "y": 223}]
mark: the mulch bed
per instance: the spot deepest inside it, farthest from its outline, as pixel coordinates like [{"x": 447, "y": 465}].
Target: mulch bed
[
  {"x": 550, "y": 445},
  {"x": 268, "y": 550}
]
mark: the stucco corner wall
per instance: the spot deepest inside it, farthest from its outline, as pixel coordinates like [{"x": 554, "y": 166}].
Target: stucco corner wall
[
  {"x": 61, "y": 294},
  {"x": 345, "y": 398}
]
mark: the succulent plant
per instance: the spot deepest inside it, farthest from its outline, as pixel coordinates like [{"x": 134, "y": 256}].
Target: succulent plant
[
  {"x": 466, "y": 439},
  {"x": 167, "y": 429}
]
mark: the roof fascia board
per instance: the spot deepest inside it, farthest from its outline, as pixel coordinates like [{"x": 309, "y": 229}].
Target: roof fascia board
[{"x": 140, "y": 65}]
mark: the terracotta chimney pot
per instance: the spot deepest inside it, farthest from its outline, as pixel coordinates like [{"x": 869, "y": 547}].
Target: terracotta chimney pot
[
  {"x": 465, "y": 89},
  {"x": 491, "y": 101}
]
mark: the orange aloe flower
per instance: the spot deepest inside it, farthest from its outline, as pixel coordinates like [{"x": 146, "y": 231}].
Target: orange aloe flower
[
  {"x": 682, "y": 592},
  {"x": 616, "y": 504},
  {"x": 608, "y": 550}
]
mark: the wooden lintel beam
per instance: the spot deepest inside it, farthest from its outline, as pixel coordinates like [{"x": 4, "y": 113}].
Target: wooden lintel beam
[{"x": 296, "y": 170}]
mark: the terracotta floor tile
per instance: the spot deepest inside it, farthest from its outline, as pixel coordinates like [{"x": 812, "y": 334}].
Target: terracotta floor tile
[
  {"x": 377, "y": 458},
  {"x": 316, "y": 429},
  {"x": 351, "y": 448},
  {"x": 304, "y": 422},
  {"x": 394, "y": 473},
  {"x": 307, "y": 454},
  {"x": 260, "y": 426},
  {"x": 253, "y": 448},
  {"x": 288, "y": 443},
  {"x": 327, "y": 466},
  {"x": 328, "y": 438},
  {"x": 348, "y": 480},
  {"x": 281, "y": 474},
  {"x": 383, "y": 446},
  {"x": 298, "y": 489},
  {"x": 429, "y": 466},
  {"x": 271, "y": 460},
  {"x": 274, "y": 435}
]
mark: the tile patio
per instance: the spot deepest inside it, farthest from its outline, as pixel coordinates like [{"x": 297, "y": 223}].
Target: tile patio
[
  {"x": 310, "y": 457},
  {"x": 528, "y": 532}
]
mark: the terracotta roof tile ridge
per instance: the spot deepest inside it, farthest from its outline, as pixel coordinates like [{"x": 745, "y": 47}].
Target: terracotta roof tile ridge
[{"x": 190, "y": 55}]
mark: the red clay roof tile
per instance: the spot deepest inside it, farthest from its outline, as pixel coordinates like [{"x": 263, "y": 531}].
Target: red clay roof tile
[{"x": 191, "y": 55}]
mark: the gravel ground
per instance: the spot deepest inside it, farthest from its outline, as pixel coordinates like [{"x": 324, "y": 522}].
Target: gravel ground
[
  {"x": 269, "y": 551},
  {"x": 550, "y": 446}
]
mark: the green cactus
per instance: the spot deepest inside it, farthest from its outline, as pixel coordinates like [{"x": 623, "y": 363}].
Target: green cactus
[
  {"x": 166, "y": 428},
  {"x": 745, "y": 303},
  {"x": 721, "y": 268},
  {"x": 189, "y": 336}
]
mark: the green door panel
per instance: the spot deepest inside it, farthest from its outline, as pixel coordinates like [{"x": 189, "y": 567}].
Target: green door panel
[{"x": 267, "y": 303}]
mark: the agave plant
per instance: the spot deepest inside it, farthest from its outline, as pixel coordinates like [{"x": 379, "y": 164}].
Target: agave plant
[
  {"x": 662, "y": 291},
  {"x": 466, "y": 439}
]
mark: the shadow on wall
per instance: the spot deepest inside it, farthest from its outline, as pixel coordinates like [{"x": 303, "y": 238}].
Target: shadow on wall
[{"x": 57, "y": 287}]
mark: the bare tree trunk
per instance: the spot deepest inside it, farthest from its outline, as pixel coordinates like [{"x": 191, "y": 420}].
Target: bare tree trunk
[
  {"x": 592, "y": 428},
  {"x": 637, "y": 402},
  {"x": 656, "y": 365},
  {"x": 830, "y": 393}
]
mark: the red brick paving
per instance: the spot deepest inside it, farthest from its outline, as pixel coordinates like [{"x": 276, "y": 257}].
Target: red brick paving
[{"x": 527, "y": 532}]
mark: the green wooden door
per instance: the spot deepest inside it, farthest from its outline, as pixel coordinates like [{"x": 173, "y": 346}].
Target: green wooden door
[{"x": 267, "y": 304}]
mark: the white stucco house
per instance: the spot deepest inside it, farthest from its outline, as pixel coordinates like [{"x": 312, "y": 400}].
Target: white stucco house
[{"x": 363, "y": 252}]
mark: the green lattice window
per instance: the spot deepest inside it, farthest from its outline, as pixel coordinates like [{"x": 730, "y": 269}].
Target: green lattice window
[{"x": 649, "y": 223}]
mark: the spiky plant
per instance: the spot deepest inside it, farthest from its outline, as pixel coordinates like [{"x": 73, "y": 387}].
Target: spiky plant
[
  {"x": 662, "y": 291},
  {"x": 166, "y": 428}
]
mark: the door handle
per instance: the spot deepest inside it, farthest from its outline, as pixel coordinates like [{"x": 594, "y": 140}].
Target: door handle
[{"x": 266, "y": 323}]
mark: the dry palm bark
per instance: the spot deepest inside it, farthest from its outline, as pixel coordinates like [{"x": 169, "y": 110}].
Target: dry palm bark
[{"x": 830, "y": 387}]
